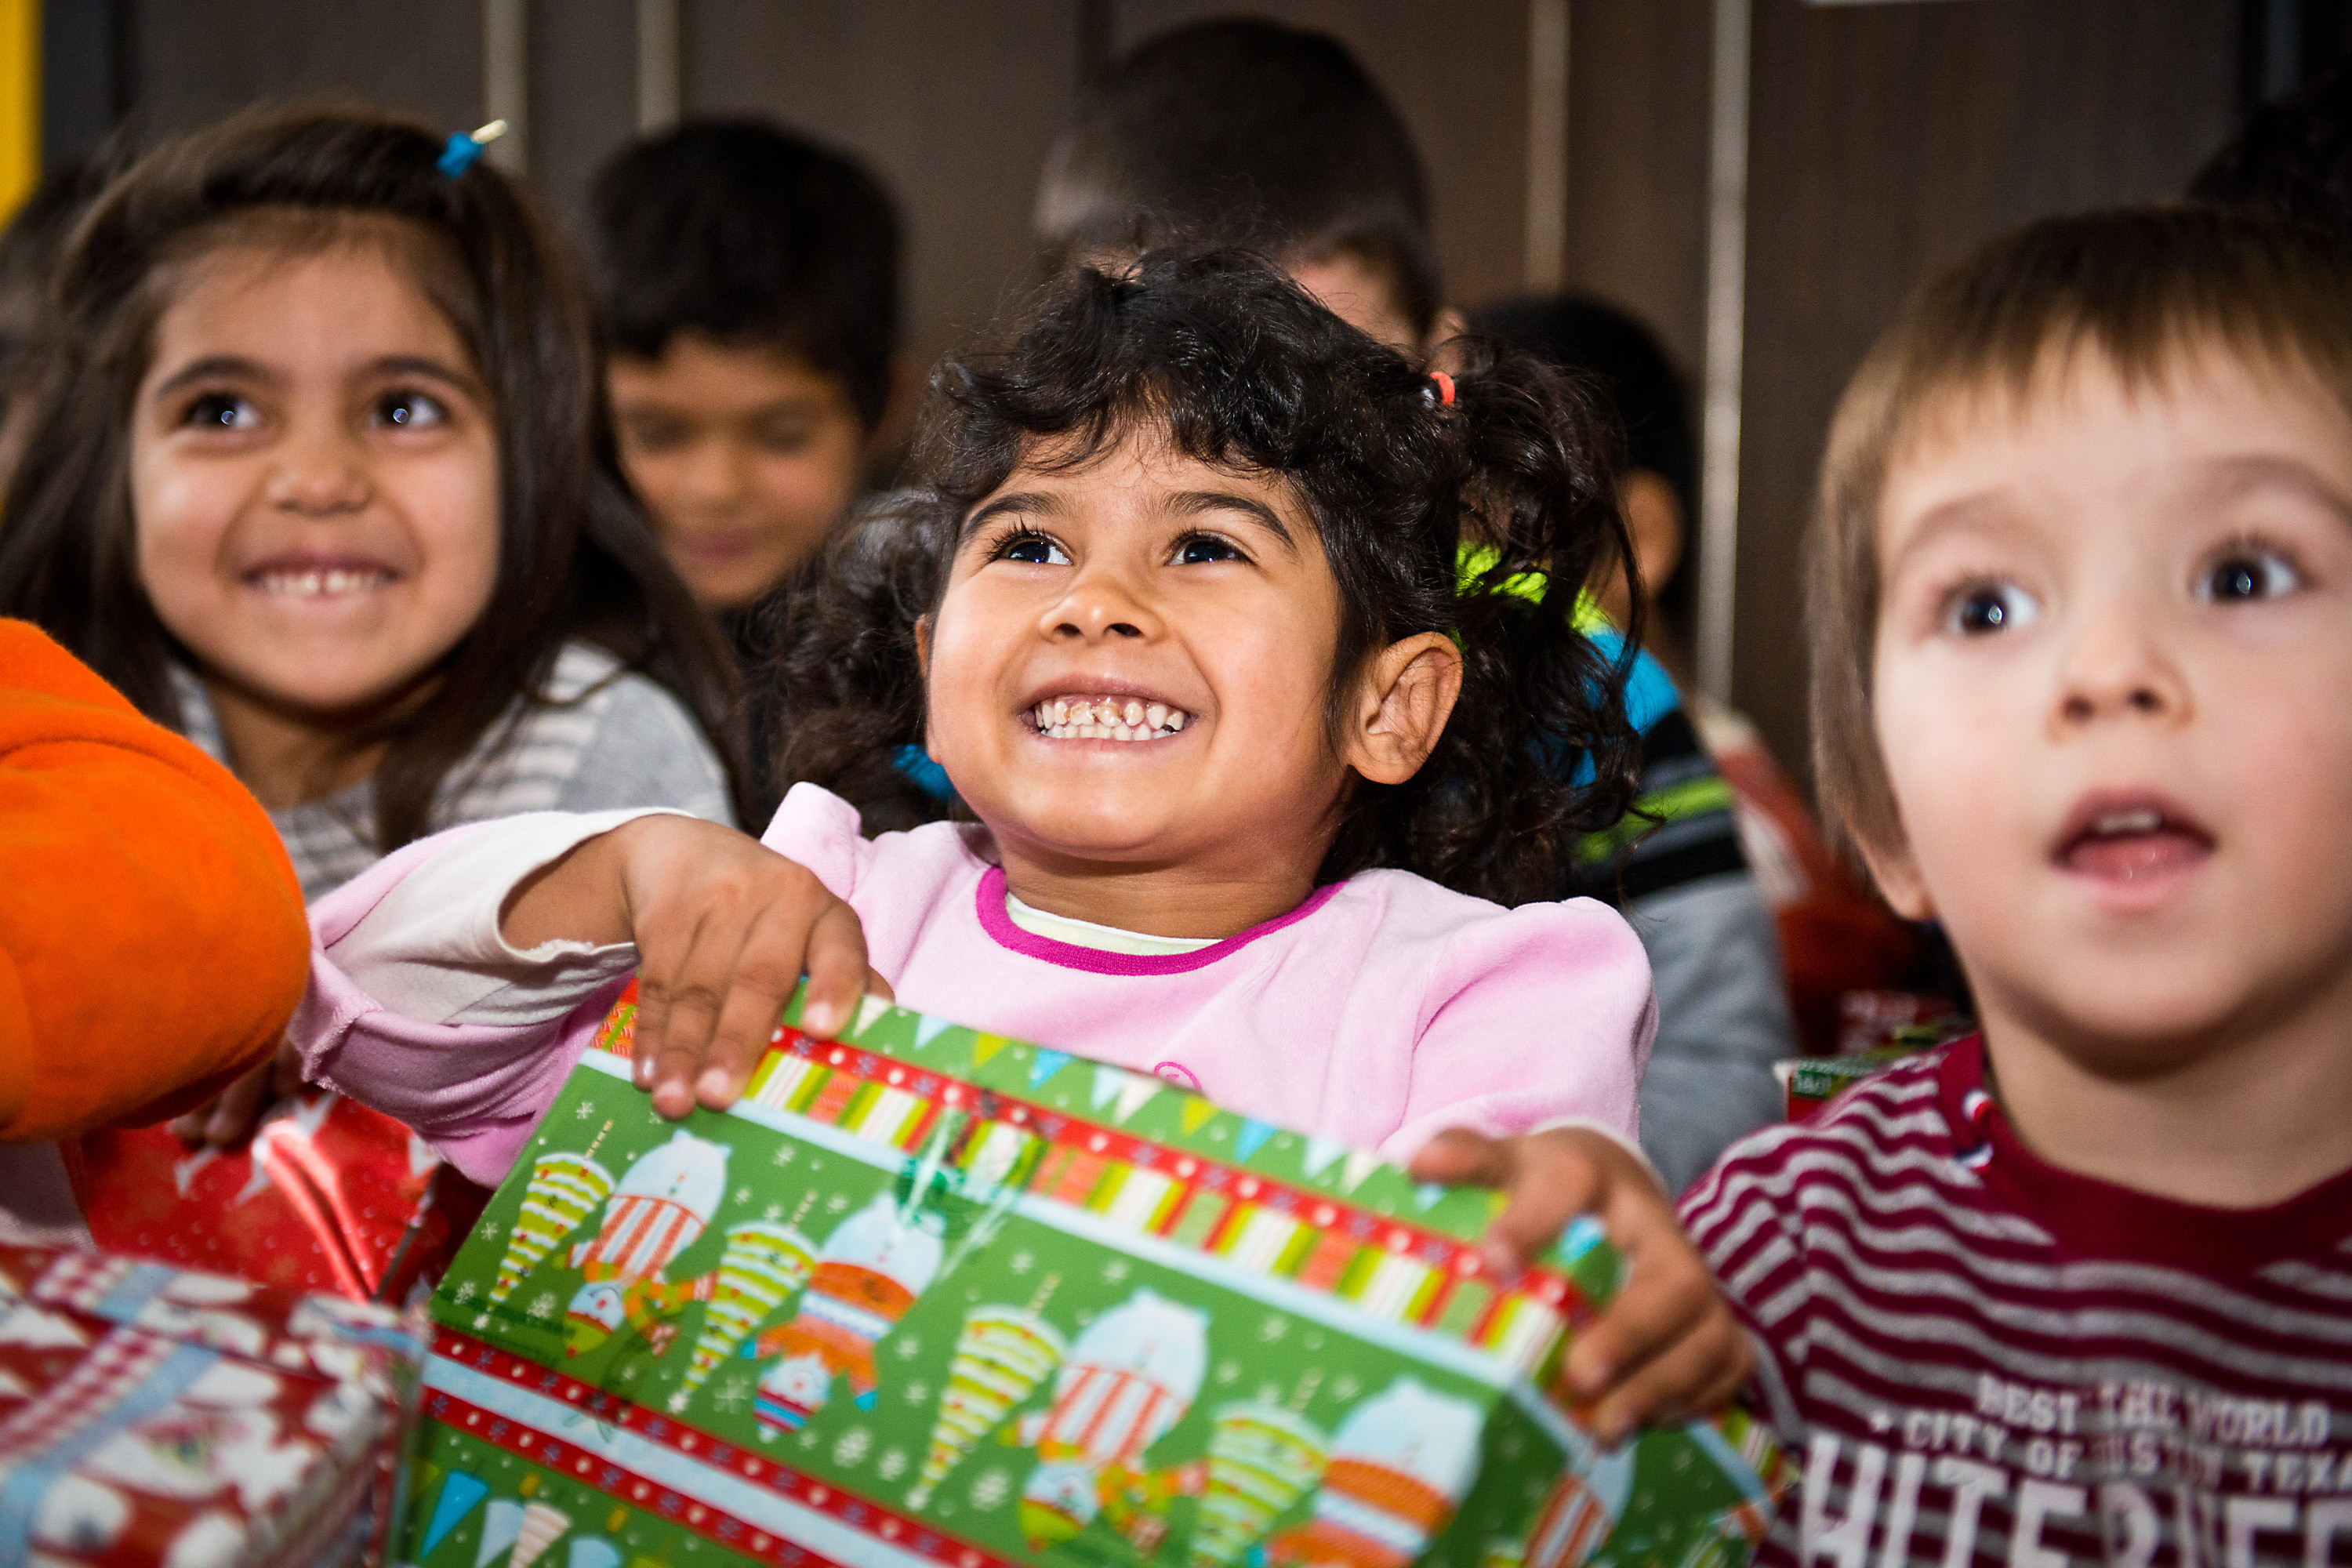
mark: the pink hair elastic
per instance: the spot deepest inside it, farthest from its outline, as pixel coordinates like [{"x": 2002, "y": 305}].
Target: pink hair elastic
[{"x": 1445, "y": 388}]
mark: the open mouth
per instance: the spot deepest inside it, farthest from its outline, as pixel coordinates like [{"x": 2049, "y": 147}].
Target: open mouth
[
  {"x": 2132, "y": 842},
  {"x": 282, "y": 581},
  {"x": 1106, "y": 718}
]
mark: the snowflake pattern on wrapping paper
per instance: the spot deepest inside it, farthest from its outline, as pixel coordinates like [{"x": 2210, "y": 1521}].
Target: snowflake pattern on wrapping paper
[
  {"x": 988, "y": 1492},
  {"x": 1115, "y": 1271},
  {"x": 1228, "y": 1370},
  {"x": 851, "y": 1450},
  {"x": 732, "y": 1394},
  {"x": 918, "y": 1393},
  {"x": 891, "y": 1465},
  {"x": 542, "y": 1307},
  {"x": 910, "y": 1347},
  {"x": 836, "y": 1204},
  {"x": 583, "y": 1111},
  {"x": 1275, "y": 1327},
  {"x": 1022, "y": 1261},
  {"x": 464, "y": 1290},
  {"x": 1345, "y": 1388}
]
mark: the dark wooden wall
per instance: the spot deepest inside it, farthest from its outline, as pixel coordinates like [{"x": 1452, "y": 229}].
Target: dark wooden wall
[
  {"x": 1885, "y": 138},
  {"x": 1637, "y": 160}
]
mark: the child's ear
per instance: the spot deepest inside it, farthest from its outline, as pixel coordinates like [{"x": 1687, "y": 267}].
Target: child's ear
[
  {"x": 1893, "y": 868},
  {"x": 923, "y": 669},
  {"x": 1400, "y": 708}
]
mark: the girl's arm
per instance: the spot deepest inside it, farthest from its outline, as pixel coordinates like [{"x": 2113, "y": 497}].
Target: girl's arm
[{"x": 433, "y": 1001}]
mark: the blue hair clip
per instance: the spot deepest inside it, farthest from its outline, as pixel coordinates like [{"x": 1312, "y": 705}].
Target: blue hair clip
[
  {"x": 915, "y": 765},
  {"x": 462, "y": 149}
]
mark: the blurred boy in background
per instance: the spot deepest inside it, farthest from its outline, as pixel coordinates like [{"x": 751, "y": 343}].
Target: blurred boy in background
[
  {"x": 1246, "y": 132},
  {"x": 1835, "y": 936},
  {"x": 747, "y": 287}
]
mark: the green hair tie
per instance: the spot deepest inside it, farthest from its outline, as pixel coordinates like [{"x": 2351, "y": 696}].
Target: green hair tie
[{"x": 1473, "y": 562}]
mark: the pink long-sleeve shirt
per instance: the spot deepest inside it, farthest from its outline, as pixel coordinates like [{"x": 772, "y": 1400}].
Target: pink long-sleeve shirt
[{"x": 1379, "y": 1012}]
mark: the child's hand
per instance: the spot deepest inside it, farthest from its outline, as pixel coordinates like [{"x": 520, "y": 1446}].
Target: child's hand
[
  {"x": 725, "y": 929},
  {"x": 1668, "y": 1347},
  {"x": 228, "y": 1118}
]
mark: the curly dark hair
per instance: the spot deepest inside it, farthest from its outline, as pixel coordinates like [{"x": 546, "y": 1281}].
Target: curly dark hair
[{"x": 1241, "y": 369}]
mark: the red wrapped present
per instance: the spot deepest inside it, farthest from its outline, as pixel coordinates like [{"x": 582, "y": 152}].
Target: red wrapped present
[
  {"x": 329, "y": 1195},
  {"x": 1876, "y": 1029},
  {"x": 153, "y": 1416}
]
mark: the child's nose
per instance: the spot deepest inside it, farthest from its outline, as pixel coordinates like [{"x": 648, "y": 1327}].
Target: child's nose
[
  {"x": 321, "y": 475},
  {"x": 2122, "y": 663},
  {"x": 715, "y": 472},
  {"x": 1098, "y": 606}
]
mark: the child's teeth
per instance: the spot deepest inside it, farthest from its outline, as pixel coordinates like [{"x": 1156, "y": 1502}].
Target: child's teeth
[
  {"x": 1106, "y": 718},
  {"x": 2131, "y": 822}
]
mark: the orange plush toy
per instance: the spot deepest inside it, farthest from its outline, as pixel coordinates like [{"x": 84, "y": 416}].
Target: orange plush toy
[{"x": 152, "y": 936}]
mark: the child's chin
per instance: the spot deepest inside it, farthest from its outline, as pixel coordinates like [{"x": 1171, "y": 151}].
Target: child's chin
[
  {"x": 1081, "y": 833},
  {"x": 2128, "y": 1022}
]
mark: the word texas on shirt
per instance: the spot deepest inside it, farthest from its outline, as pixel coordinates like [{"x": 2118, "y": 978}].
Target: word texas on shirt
[{"x": 1978, "y": 1358}]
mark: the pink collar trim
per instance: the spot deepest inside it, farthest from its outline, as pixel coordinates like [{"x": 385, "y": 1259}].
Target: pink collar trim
[{"x": 989, "y": 900}]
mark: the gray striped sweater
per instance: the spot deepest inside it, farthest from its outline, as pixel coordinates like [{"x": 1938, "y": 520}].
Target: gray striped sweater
[{"x": 602, "y": 737}]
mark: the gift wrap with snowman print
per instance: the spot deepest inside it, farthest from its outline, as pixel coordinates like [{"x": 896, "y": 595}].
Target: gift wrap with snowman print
[{"x": 933, "y": 1299}]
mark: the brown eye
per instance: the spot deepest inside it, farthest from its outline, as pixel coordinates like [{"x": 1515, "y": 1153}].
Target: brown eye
[
  {"x": 1989, "y": 608},
  {"x": 410, "y": 411},
  {"x": 2244, "y": 575},
  {"x": 221, "y": 411},
  {"x": 1204, "y": 549},
  {"x": 1032, "y": 549}
]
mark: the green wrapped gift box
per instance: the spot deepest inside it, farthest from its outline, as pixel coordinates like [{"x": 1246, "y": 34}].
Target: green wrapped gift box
[{"x": 927, "y": 1297}]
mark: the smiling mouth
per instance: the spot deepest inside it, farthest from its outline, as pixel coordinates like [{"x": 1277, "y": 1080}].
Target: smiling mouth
[
  {"x": 320, "y": 581},
  {"x": 1106, "y": 718}
]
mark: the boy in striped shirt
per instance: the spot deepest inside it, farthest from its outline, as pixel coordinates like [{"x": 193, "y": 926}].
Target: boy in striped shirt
[{"x": 2079, "y": 1289}]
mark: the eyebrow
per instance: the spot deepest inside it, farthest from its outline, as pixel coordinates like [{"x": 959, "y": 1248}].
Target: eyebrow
[
  {"x": 1021, "y": 503},
  {"x": 2233, "y": 476},
  {"x": 236, "y": 367},
  {"x": 1978, "y": 509},
  {"x": 1183, "y": 503}
]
